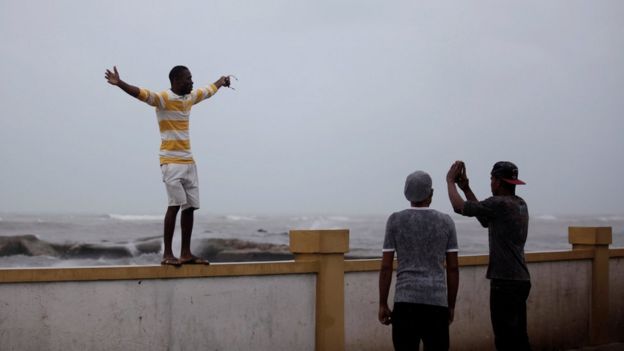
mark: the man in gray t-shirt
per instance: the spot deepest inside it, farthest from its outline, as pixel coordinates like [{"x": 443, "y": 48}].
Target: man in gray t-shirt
[
  {"x": 506, "y": 216},
  {"x": 423, "y": 240}
]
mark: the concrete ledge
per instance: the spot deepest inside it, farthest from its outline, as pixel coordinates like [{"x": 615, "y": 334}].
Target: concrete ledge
[
  {"x": 582, "y": 254},
  {"x": 369, "y": 265},
  {"x": 619, "y": 252},
  {"x": 26, "y": 275},
  {"x": 474, "y": 260},
  {"x": 365, "y": 265}
]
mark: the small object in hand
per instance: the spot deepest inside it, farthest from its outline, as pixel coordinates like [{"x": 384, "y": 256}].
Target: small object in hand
[
  {"x": 461, "y": 176},
  {"x": 227, "y": 81}
]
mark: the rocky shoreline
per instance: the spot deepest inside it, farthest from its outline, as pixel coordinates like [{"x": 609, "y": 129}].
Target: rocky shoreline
[{"x": 216, "y": 250}]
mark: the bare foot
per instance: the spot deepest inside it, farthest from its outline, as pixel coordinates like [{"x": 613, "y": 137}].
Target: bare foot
[
  {"x": 194, "y": 260},
  {"x": 171, "y": 261}
]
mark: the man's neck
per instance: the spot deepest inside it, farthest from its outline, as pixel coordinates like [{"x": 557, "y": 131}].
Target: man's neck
[
  {"x": 503, "y": 192},
  {"x": 177, "y": 92}
]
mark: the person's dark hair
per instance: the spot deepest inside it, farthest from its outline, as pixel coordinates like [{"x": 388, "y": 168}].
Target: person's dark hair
[
  {"x": 424, "y": 202},
  {"x": 175, "y": 72},
  {"x": 510, "y": 187}
]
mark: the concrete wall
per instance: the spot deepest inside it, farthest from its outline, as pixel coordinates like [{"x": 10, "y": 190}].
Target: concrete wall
[
  {"x": 266, "y": 311},
  {"x": 362, "y": 330},
  {"x": 558, "y": 307},
  {"x": 295, "y": 305},
  {"x": 616, "y": 298},
  {"x": 471, "y": 329},
  {"x": 232, "y": 313}
]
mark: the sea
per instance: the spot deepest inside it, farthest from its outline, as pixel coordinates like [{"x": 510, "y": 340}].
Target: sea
[{"x": 75, "y": 240}]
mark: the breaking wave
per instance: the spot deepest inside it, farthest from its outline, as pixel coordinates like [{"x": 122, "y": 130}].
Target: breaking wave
[
  {"x": 218, "y": 250},
  {"x": 547, "y": 217},
  {"x": 611, "y": 218},
  {"x": 237, "y": 218},
  {"x": 122, "y": 217},
  {"x": 30, "y": 245}
]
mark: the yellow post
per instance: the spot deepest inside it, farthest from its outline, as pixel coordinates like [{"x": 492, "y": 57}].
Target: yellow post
[
  {"x": 327, "y": 247},
  {"x": 597, "y": 239}
]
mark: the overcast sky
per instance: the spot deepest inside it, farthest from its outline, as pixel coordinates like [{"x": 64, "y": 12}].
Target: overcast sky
[{"x": 337, "y": 101}]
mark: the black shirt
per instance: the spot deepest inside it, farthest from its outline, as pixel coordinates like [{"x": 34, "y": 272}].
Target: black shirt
[{"x": 507, "y": 220}]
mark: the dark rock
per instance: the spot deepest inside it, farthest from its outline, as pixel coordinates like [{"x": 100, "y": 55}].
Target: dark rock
[
  {"x": 27, "y": 245},
  {"x": 153, "y": 246}
]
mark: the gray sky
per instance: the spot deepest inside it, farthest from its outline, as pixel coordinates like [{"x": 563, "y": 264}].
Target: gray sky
[{"x": 337, "y": 102}]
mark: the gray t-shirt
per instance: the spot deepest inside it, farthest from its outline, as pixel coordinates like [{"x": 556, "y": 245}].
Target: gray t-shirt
[
  {"x": 507, "y": 220},
  {"x": 421, "y": 237}
]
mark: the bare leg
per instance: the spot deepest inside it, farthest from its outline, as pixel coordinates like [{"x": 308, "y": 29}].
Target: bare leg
[
  {"x": 169, "y": 228},
  {"x": 186, "y": 223}
]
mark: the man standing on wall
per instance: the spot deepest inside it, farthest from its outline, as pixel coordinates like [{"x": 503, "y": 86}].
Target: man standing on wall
[
  {"x": 424, "y": 301},
  {"x": 506, "y": 217},
  {"x": 173, "y": 109}
]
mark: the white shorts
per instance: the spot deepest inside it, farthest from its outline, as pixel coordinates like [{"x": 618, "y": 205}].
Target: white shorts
[{"x": 182, "y": 184}]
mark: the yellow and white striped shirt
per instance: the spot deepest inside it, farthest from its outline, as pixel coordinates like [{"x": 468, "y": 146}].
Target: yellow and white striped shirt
[{"x": 173, "y": 112}]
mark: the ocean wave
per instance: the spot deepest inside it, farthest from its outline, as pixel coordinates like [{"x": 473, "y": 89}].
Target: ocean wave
[
  {"x": 547, "y": 217},
  {"x": 14, "y": 249},
  {"x": 321, "y": 218},
  {"x": 462, "y": 220},
  {"x": 611, "y": 218},
  {"x": 22, "y": 261},
  {"x": 31, "y": 245},
  {"x": 338, "y": 218},
  {"x": 121, "y": 217},
  {"x": 237, "y": 218}
]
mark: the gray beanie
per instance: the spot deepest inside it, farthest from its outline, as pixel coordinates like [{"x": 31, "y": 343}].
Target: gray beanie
[{"x": 417, "y": 186}]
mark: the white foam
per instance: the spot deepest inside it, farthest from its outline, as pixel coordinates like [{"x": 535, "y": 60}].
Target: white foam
[
  {"x": 547, "y": 217},
  {"x": 239, "y": 218},
  {"x": 611, "y": 218},
  {"x": 322, "y": 224},
  {"x": 121, "y": 217},
  {"x": 338, "y": 218},
  {"x": 463, "y": 220}
]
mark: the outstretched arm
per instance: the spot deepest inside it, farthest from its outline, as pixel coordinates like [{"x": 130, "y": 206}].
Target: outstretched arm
[
  {"x": 113, "y": 79},
  {"x": 204, "y": 93}
]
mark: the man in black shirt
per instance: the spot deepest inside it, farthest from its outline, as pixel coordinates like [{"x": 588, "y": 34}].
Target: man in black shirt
[{"x": 506, "y": 217}]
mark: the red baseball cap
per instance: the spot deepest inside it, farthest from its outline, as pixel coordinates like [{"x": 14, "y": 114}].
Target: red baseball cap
[{"x": 507, "y": 171}]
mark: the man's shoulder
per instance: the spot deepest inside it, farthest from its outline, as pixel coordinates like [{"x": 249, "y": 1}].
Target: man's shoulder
[
  {"x": 442, "y": 216},
  {"x": 426, "y": 213},
  {"x": 509, "y": 200},
  {"x": 496, "y": 200},
  {"x": 509, "y": 205},
  {"x": 162, "y": 92}
]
